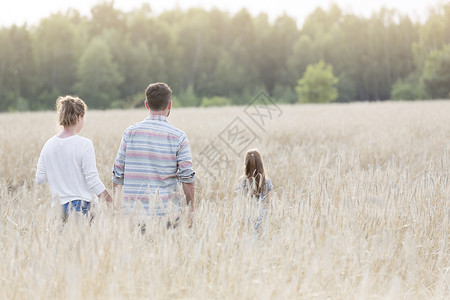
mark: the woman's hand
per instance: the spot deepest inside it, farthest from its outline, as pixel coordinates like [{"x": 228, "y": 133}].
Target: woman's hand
[{"x": 105, "y": 195}]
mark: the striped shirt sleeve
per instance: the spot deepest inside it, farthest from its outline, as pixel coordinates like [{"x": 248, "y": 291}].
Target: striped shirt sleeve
[
  {"x": 184, "y": 161},
  {"x": 119, "y": 163}
]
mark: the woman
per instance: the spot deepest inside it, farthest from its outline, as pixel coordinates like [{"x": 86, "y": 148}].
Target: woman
[{"x": 67, "y": 162}]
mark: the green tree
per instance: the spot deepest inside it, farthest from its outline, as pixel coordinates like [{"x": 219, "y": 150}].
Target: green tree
[
  {"x": 409, "y": 88},
  {"x": 436, "y": 76},
  {"x": 203, "y": 54},
  {"x": 278, "y": 46},
  {"x": 302, "y": 55},
  {"x": 136, "y": 63},
  {"x": 226, "y": 76},
  {"x": 215, "y": 101},
  {"x": 346, "y": 89},
  {"x": 284, "y": 94},
  {"x": 98, "y": 76},
  {"x": 237, "y": 67},
  {"x": 432, "y": 36},
  {"x": 57, "y": 45},
  {"x": 106, "y": 17},
  {"x": 187, "y": 98},
  {"x": 317, "y": 84},
  {"x": 17, "y": 69}
]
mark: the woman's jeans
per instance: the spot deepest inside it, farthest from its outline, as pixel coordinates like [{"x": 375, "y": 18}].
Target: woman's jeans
[{"x": 77, "y": 206}]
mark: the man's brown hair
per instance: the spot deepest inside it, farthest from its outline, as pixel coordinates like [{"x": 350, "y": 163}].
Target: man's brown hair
[{"x": 158, "y": 96}]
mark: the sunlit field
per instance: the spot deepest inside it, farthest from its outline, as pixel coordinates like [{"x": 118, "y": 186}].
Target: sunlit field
[{"x": 360, "y": 210}]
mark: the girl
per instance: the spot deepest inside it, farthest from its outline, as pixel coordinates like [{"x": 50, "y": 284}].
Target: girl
[
  {"x": 67, "y": 162},
  {"x": 254, "y": 183}
]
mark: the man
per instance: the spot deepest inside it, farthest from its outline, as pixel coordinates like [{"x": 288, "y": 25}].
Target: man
[{"x": 153, "y": 158}]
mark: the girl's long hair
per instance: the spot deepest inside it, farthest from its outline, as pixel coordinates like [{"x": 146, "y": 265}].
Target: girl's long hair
[{"x": 254, "y": 173}]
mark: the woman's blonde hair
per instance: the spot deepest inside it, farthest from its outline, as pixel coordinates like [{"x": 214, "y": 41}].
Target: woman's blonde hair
[
  {"x": 254, "y": 173},
  {"x": 69, "y": 108}
]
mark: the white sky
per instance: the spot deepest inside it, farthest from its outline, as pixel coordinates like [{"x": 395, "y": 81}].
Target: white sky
[{"x": 31, "y": 11}]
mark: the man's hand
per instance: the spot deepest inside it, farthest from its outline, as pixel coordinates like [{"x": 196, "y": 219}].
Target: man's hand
[
  {"x": 188, "y": 189},
  {"x": 191, "y": 217},
  {"x": 116, "y": 189}
]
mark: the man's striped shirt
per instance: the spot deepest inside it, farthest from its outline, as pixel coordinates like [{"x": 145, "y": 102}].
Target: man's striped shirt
[{"x": 153, "y": 158}]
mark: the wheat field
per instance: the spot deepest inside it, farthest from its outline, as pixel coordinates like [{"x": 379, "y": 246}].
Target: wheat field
[{"x": 360, "y": 210}]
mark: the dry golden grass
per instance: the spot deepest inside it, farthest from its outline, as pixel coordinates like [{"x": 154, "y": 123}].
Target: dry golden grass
[{"x": 361, "y": 210}]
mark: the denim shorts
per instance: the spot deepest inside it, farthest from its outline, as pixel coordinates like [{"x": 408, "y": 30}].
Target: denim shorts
[{"x": 77, "y": 206}]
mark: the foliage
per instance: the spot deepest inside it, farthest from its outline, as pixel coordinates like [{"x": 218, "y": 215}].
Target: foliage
[
  {"x": 410, "y": 88},
  {"x": 215, "y": 101},
  {"x": 98, "y": 75},
  {"x": 346, "y": 87},
  {"x": 57, "y": 48},
  {"x": 436, "y": 76},
  {"x": 284, "y": 94},
  {"x": 317, "y": 84},
  {"x": 135, "y": 101},
  {"x": 186, "y": 98},
  {"x": 211, "y": 53},
  {"x": 17, "y": 68}
]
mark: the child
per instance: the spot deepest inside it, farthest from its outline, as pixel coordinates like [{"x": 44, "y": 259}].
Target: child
[
  {"x": 67, "y": 162},
  {"x": 254, "y": 183}
]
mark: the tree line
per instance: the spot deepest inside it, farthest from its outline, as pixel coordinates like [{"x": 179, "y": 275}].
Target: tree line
[{"x": 212, "y": 57}]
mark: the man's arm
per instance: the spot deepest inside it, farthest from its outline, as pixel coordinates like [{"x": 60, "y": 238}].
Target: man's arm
[
  {"x": 116, "y": 189},
  {"x": 186, "y": 174},
  {"x": 119, "y": 168},
  {"x": 188, "y": 189}
]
